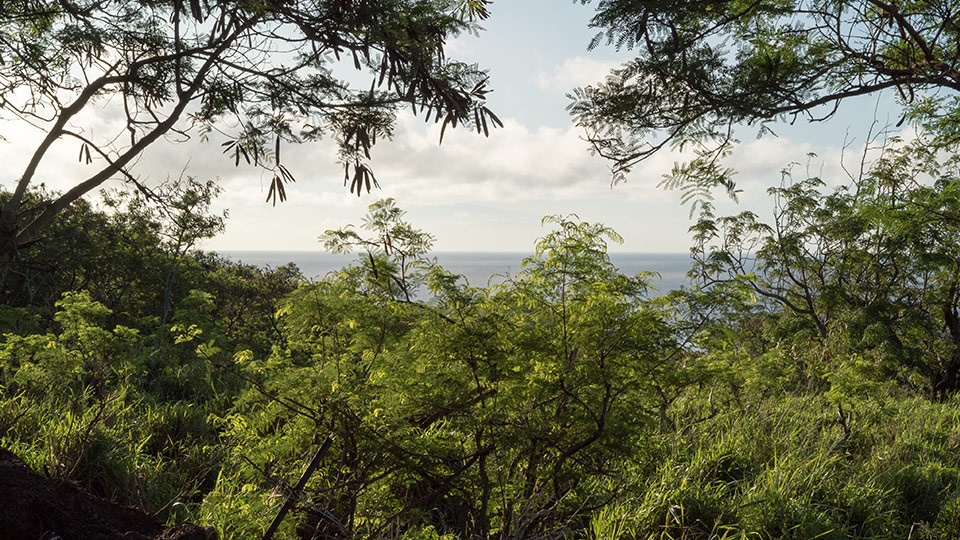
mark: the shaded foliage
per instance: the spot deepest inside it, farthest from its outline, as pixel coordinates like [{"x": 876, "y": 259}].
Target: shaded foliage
[
  {"x": 254, "y": 75},
  {"x": 871, "y": 267},
  {"x": 703, "y": 68}
]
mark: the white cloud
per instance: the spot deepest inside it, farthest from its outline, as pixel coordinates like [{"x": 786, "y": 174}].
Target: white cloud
[
  {"x": 575, "y": 71},
  {"x": 473, "y": 192},
  {"x": 514, "y": 163}
]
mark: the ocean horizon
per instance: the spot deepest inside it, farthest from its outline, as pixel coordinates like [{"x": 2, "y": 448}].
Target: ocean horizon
[{"x": 479, "y": 268}]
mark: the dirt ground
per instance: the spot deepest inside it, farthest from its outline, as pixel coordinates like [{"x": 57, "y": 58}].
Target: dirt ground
[{"x": 33, "y": 507}]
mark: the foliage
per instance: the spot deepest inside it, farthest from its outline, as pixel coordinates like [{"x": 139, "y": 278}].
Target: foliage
[
  {"x": 784, "y": 468},
  {"x": 254, "y": 75},
  {"x": 481, "y": 415},
  {"x": 563, "y": 402},
  {"x": 868, "y": 271},
  {"x": 395, "y": 255},
  {"x": 702, "y": 68},
  {"x": 94, "y": 387},
  {"x": 126, "y": 235},
  {"x": 244, "y": 300},
  {"x": 76, "y": 405}
]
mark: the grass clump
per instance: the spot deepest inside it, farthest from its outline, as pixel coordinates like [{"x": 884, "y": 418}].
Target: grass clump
[{"x": 787, "y": 468}]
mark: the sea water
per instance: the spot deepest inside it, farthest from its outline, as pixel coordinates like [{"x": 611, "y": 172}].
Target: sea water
[{"x": 480, "y": 269}]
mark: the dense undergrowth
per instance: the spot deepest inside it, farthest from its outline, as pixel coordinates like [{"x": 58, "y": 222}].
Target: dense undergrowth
[{"x": 784, "y": 400}]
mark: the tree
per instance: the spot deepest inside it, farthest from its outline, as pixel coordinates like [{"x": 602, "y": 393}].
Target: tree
[
  {"x": 704, "y": 67},
  {"x": 146, "y": 247},
  {"x": 584, "y": 358},
  {"x": 873, "y": 268},
  {"x": 255, "y": 75},
  {"x": 395, "y": 256},
  {"x": 502, "y": 413}
]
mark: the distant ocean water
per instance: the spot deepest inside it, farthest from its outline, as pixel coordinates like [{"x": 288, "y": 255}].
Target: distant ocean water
[{"x": 479, "y": 268}]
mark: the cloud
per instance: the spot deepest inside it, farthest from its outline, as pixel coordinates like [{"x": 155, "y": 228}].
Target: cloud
[
  {"x": 574, "y": 72},
  {"x": 473, "y": 192},
  {"x": 515, "y": 163}
]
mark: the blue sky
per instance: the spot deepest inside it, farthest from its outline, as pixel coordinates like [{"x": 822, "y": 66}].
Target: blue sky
[{"x": 488, "y": 194}]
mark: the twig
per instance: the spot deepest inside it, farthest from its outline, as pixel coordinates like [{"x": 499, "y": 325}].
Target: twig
[
  {"x": 294, "y": 494},
  {"x": 844, "y": 420}
]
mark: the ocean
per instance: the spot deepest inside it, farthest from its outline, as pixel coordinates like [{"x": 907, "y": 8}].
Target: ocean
[{"x": 479, "y": 268}]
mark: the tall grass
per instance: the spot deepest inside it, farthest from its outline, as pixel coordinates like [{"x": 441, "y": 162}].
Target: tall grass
[{"x": 789, "y": 467}]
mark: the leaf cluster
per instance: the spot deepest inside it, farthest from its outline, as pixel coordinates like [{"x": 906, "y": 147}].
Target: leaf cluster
[
  {"x": 870, "y": 267},
  {"x": 256, "y": 75},
  {"x": 704, "y": 67}
]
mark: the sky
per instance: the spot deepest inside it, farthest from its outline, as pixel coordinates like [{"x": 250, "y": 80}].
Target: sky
[{"x": 490, "y": 194}]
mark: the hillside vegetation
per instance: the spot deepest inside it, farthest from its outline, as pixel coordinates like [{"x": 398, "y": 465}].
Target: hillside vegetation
[{"x": 804, "y": 385}]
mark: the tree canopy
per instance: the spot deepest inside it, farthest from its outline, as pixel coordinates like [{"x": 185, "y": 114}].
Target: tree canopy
[
  {"x": 873, "y": 267},
  {"x": 704, "y": 67},
  {"x": 252, "y": 76},
  {"x": 788, "y": 397}
]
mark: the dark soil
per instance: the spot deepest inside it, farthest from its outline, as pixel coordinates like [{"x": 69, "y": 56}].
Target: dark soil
[{"x": 34, "y": 507}]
